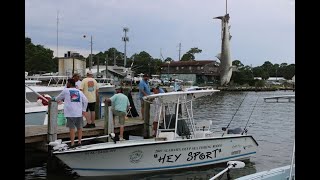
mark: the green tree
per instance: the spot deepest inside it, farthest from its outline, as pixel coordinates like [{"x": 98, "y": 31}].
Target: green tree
[
  {"x": 143, "y": 63},
  {"x": 168, "y": 59},
  {"x": 237, "y": 63},
  {"x": 38, "y": 58},
  {"x": 189, "y": 56},
  {"x": 289, "y": 71}
]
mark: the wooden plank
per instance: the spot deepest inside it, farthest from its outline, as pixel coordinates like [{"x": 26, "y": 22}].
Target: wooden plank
[{"x": 39, "y": 133}]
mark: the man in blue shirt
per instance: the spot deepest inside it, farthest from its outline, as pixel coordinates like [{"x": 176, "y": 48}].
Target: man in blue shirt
[
  {"x": 120, "y": 104},
  {"x": 144, "y": 90}
]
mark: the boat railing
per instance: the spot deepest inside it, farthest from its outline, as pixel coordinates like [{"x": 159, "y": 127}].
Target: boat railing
[
  {"x": 55, "y": 81},
  {"x": 39, "y": 95},
  {"x": 292, "y": 160}
]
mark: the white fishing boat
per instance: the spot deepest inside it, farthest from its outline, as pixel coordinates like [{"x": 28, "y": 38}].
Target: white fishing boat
[
  {"x": 180, "y": 142},
  {"x": 36, "y": 113},
  {"x": 106, "y": 85},
  {"x": 51, "y": 85},
  {"x": 193, "y": 88}
]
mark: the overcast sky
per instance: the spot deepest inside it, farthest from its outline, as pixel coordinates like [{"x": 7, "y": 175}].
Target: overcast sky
[{"x": 261, "y": 29}]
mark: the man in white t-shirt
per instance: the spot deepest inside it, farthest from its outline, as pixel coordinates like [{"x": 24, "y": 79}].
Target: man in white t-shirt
[
  {"x": 90, "y": 89},
  {"x": 76, "y": 78},
  {"x": 75, "y": 105}
]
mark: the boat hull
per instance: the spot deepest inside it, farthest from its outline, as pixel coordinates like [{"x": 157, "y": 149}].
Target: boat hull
[{"x": 148, "y": 155}]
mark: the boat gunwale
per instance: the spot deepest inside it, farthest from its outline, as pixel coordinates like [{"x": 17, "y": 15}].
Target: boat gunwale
[{"x": 151, "y": 143}]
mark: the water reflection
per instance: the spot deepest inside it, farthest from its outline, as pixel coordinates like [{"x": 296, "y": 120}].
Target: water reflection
[{"x": 203, "y": 173}]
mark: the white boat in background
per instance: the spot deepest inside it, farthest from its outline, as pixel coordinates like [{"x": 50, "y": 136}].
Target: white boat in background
[
  {"x": 37, "y": 113},
  {"x": 194, "y": 88},
  {"x": 106, "y": 85},
  {"x": 53, "y": 86},
  {"x": 155, "y": 80},
  {"x": 180, "y": 142}
]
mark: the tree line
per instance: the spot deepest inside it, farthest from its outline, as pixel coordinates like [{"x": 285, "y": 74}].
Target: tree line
[
  {"x": 246, "y": 74},
  {"x": 38, "y": 58}
]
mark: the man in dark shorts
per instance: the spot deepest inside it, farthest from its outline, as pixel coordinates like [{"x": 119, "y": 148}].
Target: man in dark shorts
[
  {"x": 75, "y": 105},
  {"x": 90, "y": 89}
]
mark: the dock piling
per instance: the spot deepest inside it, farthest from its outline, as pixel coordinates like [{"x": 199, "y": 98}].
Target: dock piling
[
  {"x": 52, "y": 120},
  {"x": 147, "y": 123}
]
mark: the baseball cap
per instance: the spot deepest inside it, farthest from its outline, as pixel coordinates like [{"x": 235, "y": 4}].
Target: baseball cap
[
  {"x": 118, "y": 87},
  {"x": 89, "y": 72}
]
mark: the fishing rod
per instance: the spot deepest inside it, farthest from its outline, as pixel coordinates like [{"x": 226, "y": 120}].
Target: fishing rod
[
  {"x": 235, "y": 113},
  {"x": 245, "y": 128}
]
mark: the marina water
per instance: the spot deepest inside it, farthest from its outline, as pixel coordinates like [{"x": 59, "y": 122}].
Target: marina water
[{"x": 272, "y": 124}]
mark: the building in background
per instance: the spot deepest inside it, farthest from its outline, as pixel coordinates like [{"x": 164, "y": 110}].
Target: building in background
[
  {"x": 72, "y": 61},
  {"x": 195, "y": 72}
]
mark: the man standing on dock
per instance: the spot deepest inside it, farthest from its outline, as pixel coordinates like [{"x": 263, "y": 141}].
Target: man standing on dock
[
  {"x": 120, "y": 105},
  {"x": 144, "y": 90},
  {"x": 76, "y": 78},
  {"x": 90, "y": 89},
  {"x": 75, "y": 105}
]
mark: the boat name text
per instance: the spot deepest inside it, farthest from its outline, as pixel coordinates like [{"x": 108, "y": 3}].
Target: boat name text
[{"x": 191, "y": 156}]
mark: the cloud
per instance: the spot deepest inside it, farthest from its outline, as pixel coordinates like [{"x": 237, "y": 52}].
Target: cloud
[{"x": 164, "y": 24}]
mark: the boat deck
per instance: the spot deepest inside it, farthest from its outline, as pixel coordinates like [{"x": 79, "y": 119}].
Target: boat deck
[{"x": 35, "y": 134}]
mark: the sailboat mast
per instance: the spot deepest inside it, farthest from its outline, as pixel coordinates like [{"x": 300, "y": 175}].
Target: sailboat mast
[{"x": 57, "y": 33}]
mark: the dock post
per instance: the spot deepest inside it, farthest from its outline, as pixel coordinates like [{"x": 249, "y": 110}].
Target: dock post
[
  {"x": 147, "y": 123},
  {"x": 108, "y": 120},
  {"x": 97, "y": 107},
  {"x": 52, "y": 120},
  {"x": 106, "y": 117}
]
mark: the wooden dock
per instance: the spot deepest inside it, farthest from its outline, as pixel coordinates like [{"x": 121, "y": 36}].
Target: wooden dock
[
  {"x": 289, "y": 97},
  {"x": 38, "y": 134}
]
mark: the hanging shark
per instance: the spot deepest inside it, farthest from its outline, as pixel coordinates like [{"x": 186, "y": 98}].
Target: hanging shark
[{"x": 225, "y": 68}]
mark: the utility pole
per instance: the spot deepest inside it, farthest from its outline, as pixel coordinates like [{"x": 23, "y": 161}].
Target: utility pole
[
  {"x": 98, "y": 67},
  {"x": 106, "y": 65},
  {"x": 72, "y": 64},
  {"x": 90, "y": 63},
  {"x": 161, "y": 57},
  {"x": 179, "y": 50},
  {"x": 57, "y": 34},
  {"x": 125, "y": 39},
  {"x": 114, "y": 55}
]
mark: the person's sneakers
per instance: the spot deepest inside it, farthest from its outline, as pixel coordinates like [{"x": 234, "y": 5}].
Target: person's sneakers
[
  {"x": 93, "y": 125},
  {"x": 121, "y": 139},
  {"x": 87, "y": 126},
  {"x": 73, "y": 146}
]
